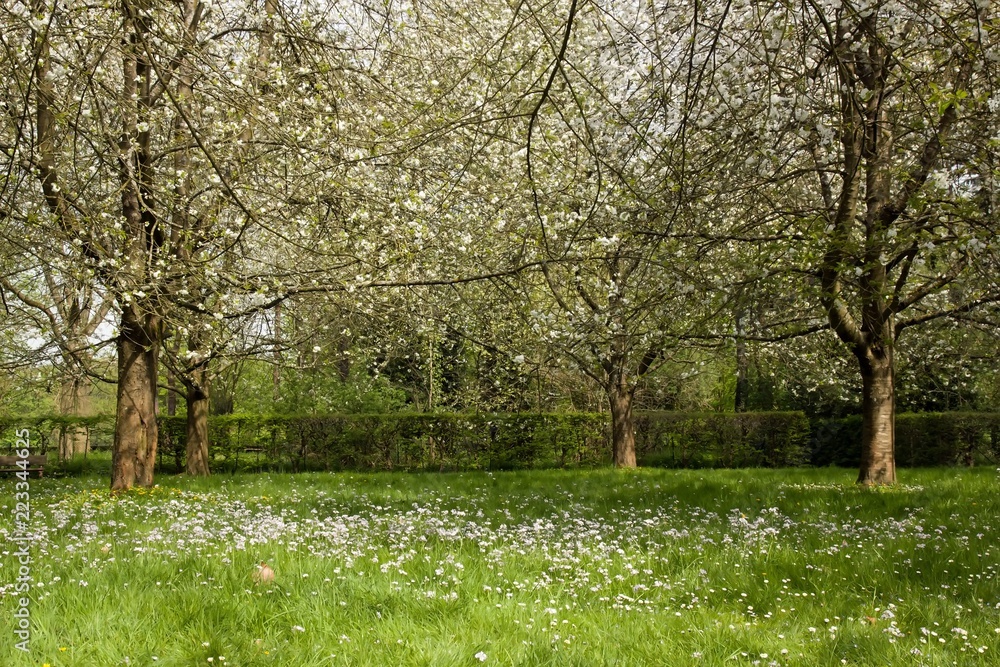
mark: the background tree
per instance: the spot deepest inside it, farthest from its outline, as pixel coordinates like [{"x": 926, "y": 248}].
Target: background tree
[{"x": 70, "y": 313}]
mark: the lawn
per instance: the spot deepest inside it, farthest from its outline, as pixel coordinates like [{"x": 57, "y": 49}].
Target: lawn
[{"x": 650, "y": 567}]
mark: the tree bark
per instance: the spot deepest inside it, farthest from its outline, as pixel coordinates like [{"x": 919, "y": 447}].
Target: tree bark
[
  {"x": 878, "y": 410},
  {"x": 276, "y": 369},
  {"x": 344, "y": 363},
  {"x": 171, "y": 395},
  {"x": 197, "y": 431},
  {"x": 197, "y": 398},
  {"x": 742, "y": 381},
  {"x": 73, "y": 400},
  {"x": 622, "y": 426},
  {"x": 135, "y": 423}
]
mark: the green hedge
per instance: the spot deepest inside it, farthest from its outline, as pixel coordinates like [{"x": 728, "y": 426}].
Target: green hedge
[
  {"x": 436, "y": 441},
  {"x": 45, "y": 431},
  {"x": 722, "y": 439},
  {"x": 396, "y": 441},
  {"x": 922, "y": 439},
  {"x": 491, "y": 441}
]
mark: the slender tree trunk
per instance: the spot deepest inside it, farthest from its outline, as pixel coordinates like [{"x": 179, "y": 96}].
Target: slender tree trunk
[
  {"x": 197, "y": 430},
  {"x": 172, "y": 349},
  {"x": 171, "y": 395},
  {"x": 276, "y": 369},
  {"x": 197, "y": 398},
  {"x": 73, "y": 400},
  {"x": 135, "y": 423},
  {"x": 344, "y": 363},
  {"x": 622, "y": 426},
  {"x": 742, "y": 382},
  {"x": 878, "y": 410}
]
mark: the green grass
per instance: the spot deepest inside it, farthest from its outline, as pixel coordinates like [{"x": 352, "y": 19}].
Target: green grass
[{"x": 652, "y": 567}]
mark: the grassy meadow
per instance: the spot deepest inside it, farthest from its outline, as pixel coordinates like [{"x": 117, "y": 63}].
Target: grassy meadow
[{"x": 603, "y": 567}]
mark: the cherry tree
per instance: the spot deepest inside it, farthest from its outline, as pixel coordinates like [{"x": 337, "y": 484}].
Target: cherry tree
[{"x": 867, "y": 132}]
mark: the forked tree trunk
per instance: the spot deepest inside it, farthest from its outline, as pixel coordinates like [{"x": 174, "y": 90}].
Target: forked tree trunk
[
  {"x": 622, "y": 426},
  {"x": 878, "y": 417},
  {"x": 197, "y": 432},
  {"x": 135, "y": 420}
]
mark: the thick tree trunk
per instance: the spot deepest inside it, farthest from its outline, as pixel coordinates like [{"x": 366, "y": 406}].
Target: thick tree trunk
[
  {"x": 135, "y": 420},
  {"x": 197, "y": 432},
  {"x": 878, "y": 420},
  {"x": 622, "y": 427},
  {"x": 73, "y": 400}
]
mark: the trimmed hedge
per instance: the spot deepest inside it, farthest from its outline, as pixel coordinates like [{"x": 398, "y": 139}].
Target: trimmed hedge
[
  {"x": 432, "y": 441},
  {"x": 722, "y": 439},
  {"x": 441, "y": 441},
  {"x": 45, "y": 431},
  {"x": 922, "y": 439}
]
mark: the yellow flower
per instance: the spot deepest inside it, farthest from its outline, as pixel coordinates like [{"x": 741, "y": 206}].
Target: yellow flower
[{"x": 62, "y": 648}]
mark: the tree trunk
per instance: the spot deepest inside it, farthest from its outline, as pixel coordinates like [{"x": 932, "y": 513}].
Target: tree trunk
[
  {"x": 197, "y": 431},
  {"x": 197, "y": 397},
  {"x": 742, "y": 381},
  {"x": 878, "y": 419},
  {"x": 344, "y": 363},
  {"x": 73, "y": 400},
  {"x": 171, "y": 395},
  {"x": 622, "y": 427},
  {"x": 276, "y": 369},
  {"x": 135, "y": 420}
]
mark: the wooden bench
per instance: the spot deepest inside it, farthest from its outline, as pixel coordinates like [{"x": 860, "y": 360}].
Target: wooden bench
[{"x": 36, "y": 462}]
